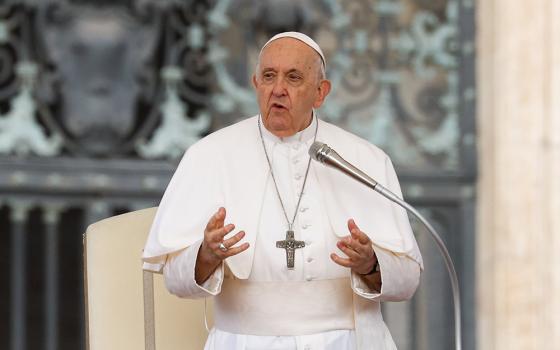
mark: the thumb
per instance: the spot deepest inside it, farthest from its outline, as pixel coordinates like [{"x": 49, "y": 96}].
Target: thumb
[
  {"x": 217, "y": 220},
  {"x": 220, "y": 217}
]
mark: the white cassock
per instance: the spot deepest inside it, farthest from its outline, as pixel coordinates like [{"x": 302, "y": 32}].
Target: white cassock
[{"x": 259, "y": 303}]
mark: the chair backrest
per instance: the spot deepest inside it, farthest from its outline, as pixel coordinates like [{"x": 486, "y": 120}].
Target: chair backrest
[{"x": 126, "y": 307}]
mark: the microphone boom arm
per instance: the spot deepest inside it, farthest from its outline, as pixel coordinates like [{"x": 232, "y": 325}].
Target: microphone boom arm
[
  {"x": 444, "y": 252},
  {"x": 326, "y": 155}
]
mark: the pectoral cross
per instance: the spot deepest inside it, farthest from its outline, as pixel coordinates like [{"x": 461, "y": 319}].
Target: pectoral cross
[{"x": 290, "y": 244}]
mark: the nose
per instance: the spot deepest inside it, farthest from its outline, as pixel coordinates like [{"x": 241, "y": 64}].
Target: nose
[{"x": 279, "y": 88}]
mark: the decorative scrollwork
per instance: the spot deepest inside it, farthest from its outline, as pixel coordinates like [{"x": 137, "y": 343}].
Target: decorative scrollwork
[
  {"x": 176, "y": 132},
  {"x": 393, "y": 66},
  {"x": 19, "y": 131},
  {"x": 105, "y": 88}
]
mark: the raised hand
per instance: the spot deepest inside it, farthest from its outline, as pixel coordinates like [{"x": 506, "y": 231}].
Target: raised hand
[
  {"x": 214, "y": 248},
  {"x": 358, "y": 249}
]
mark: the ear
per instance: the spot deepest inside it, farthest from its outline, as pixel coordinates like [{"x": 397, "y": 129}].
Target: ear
[
  {"x": 323, "y": 90},
  {"x": 254, "y": 80}
]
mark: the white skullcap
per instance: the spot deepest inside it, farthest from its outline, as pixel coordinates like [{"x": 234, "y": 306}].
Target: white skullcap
[{"x": 301, "y": 37}]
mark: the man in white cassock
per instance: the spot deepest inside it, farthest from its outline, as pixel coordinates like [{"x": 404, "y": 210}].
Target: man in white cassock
[{"x": 295, "y": 254}]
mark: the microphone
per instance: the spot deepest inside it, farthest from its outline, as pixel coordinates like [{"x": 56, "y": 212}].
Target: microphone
[{"x": 322, "y": 153}]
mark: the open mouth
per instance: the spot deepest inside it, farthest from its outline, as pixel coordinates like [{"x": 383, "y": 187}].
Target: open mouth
[{"x": 277, "y": 106}]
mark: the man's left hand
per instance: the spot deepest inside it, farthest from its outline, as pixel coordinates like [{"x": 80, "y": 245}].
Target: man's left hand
[{"x": 357, "y": 246}]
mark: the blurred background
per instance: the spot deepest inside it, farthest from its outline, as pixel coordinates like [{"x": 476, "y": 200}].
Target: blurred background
[{"x": 99, "y": 99}]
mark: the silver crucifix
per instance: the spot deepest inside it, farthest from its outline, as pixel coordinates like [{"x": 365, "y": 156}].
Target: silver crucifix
[{"x": 290, "y": 244}]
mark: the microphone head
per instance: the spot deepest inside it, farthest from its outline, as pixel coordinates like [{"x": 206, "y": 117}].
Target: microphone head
[{"x": 318, "y": 151}]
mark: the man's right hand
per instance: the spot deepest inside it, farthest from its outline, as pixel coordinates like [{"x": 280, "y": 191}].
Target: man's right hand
[{"x": 210, "y": 256}]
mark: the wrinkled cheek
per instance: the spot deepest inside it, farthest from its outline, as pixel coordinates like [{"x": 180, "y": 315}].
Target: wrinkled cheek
[
  {"x": 260, "y": 98},
  {"x": 263, "y": 95}
]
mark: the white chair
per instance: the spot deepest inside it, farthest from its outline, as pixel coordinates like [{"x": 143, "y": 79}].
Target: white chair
[{"x": 126, "y": 307}]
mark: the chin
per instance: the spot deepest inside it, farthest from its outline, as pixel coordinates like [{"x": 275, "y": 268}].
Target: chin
[
  {"x": 280, "y": 130},
  {"x": 277, "y": 122}
]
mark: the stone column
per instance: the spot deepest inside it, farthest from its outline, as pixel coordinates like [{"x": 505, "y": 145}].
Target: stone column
[{"x": 518, "y": 235}]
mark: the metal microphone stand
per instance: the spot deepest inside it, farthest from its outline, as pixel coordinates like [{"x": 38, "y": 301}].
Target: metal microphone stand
[{"x": 443, "y": 250}]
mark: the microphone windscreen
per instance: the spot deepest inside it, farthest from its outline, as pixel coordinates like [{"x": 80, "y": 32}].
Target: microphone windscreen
[{"x": 315, "y": 150}]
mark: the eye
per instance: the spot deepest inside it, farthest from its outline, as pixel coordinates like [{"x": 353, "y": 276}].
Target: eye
[
  {"x": 267, "y": 76},
  {"x": 294, "y": 77}
]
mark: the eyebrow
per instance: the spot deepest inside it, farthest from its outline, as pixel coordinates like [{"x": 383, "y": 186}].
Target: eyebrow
[{"x": 293, "y": 70}]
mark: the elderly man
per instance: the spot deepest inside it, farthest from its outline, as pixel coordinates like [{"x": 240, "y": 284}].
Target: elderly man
[{"x": 296, "y": 255}]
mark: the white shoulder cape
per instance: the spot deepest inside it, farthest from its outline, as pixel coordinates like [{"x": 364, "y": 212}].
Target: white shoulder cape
[{"x": 228, "y": 168}]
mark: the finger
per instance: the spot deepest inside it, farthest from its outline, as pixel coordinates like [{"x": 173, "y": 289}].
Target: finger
[
  {"x": 349, "y": 242},
  {"x": 221, "y": 217},
  {"x": 360, "y": 236},
  {"x": 351, "y": 253},
  {"x": 212, "y": 221},
  {"x": 356, "y": 232},
  {"x": 362, "y": 249},
  {"x": 236, "y": 250},
  {"x": 352, "y": 225},
  {"x": 230, "y": 242},
  {"x": 341, "y": 261},
  {"x": 218, "y": 235},
  {"x": 217, "y": 220}
]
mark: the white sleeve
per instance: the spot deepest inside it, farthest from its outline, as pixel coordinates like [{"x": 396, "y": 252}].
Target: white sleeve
[
  {"x": 400, "y": 276},
  {"x": 179, "y": 274}
]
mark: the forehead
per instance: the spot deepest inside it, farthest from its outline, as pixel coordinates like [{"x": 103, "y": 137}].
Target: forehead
[{"x": 289, "y": 53}]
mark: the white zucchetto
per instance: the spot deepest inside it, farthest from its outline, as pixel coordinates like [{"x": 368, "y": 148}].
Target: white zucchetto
[{"x": 301, "y": 37}]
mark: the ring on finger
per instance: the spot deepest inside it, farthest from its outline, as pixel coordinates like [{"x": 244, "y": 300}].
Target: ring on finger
[{"x": 222, "y": 247}]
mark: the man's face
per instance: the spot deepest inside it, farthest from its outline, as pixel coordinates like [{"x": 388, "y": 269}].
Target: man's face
[{"x": 289, "y": 86}]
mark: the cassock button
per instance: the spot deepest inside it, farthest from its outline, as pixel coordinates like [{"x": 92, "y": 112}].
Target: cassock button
[
  {"x": 303, "y": 209},
  {"x": 309, "y": 260},
  {"x": 297, "y": 177},
  {"x": 305, "y": 226},
  {"x": 296, "y": 146},
  {"x": 309, "y": 278},
  {"x": 295, "y": 161}
]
